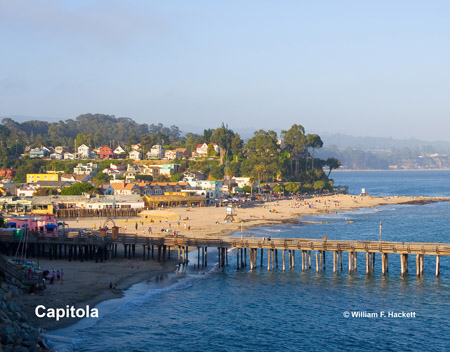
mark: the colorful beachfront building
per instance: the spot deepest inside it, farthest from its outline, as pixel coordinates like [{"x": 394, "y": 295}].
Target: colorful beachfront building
[
  {"x": 45, "y": 224},
  {"x": 33, "y": 178}
]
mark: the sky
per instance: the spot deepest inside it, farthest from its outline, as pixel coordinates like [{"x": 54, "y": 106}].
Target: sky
[{"x": 364, "y": 68}]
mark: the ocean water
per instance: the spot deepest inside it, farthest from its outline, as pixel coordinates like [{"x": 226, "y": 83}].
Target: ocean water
[{"x": 222, "y": 309}]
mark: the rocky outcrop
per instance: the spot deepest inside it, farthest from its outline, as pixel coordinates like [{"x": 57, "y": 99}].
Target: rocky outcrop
[{"x": 16, "y": 334}]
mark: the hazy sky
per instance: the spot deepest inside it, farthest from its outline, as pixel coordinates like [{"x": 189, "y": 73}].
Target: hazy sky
[{"x": 376, "y": 68}]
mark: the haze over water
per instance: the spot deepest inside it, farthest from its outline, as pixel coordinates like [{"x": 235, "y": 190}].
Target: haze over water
[{"x": 229, "y": 310}]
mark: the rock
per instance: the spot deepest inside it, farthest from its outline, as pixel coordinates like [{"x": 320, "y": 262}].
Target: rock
[
  {"x": 4, "y": 286},
  {"x": 13, "y": 307},
  {"x": 20, "y": 349},
  {"x": 29, "y": 343}
]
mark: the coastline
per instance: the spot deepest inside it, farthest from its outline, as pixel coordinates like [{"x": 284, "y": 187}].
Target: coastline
[{"x": 87, "y": 283}]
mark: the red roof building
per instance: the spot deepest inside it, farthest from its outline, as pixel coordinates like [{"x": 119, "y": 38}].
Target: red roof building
[{"x": 106, "y": 153}]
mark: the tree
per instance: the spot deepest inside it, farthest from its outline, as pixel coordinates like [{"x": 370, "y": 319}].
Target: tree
[
  {"x": 315, "y": 142},
  {"x": 176, "y": 177},
  {"x": 162, "y": 178},
  {"x": 210, "y": 150},
  {"x": 279, "y": 188},
  {"x": 295, "y": 141},
  {"x": 223, "y": 137},
  {"x": 144, "y": 177},
  {"x": 217, "y": 172},
  {"x": 262, "y": 156},
  {"x": 236, "y": 146},
  {"x": 207, "y": 135},
  {"x": 292, "y": 187},
  {"x": 77, "y": 189},
  {"x": 333, "y": 164},
  {"x": 82, "y": 138}
]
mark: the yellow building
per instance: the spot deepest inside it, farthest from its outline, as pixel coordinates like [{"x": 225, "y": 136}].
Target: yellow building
[{"x": 33, "y": 178}]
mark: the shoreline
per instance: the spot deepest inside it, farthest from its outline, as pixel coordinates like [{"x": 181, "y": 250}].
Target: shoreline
[{"x": 202, "y": 221}]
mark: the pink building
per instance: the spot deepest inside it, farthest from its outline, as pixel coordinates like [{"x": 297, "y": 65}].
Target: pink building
[{"x": 44, "y": 224}]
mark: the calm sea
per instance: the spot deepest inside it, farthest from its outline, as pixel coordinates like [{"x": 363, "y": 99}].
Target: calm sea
[{"x": 229, "y": 310}]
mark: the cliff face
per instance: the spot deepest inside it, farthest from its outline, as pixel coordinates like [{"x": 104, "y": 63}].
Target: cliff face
[{"x": 16, "y": 334}]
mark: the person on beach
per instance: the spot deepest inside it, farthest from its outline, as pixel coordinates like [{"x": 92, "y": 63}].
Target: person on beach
[
  {"x": 125, "y": 228},
  {"x": 61, "y": 273}
]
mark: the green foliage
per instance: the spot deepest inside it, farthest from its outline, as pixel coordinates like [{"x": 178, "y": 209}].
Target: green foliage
[
  {"x": 100, "y": 178},
  {"x": 332, "y": 164},
  {"x": 162, "y": 178},
  {"x": 223, "y": 136},
  {"x": 292, "y": 187},
  {"x": 176, "y": 177},
  {"x": 319, "y": 185},
  {"x": 247, "y": 189},
  {"x": 210, "y": 150},
  {"x": 217, "y": 172},
  {"x": 77, "y": 189},
  {"x": 144, "y": 177},
  {"x": 262, "y": 162},
  {"x": 278, "y": 189},
  {"x": 45, "y": 191}
]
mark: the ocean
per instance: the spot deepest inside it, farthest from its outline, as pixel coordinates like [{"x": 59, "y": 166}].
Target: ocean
[{"x": 222, "y": 309}]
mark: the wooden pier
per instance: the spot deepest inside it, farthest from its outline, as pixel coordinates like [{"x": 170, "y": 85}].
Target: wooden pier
[{"x": 247, "y": 249}]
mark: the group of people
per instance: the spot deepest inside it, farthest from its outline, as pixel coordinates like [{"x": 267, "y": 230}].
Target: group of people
[{"x": 53, "y": 275}]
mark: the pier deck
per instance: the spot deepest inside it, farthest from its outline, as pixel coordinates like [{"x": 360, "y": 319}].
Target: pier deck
[{"x": 103, "y": 248}]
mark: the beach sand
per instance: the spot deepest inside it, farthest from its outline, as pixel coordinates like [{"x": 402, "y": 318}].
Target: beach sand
[
  {"x": 88, "y": 282},
  {"x": 209, "y": 221}
]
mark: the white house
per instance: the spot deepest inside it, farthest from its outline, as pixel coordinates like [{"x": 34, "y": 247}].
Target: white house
[
  {"x": 84, "y": 152},
  {"x": 157, "y": 152},
  {"x": 214, "y": 186},
  {"x": 119, "y": 151},
  {"x": 202, "y": 150},
  {"x": 56, "y": 156},
  {"x": 85, "y": 169},
  {"x": 134, "y": 155},
  {"x": 68, "y": 156}
]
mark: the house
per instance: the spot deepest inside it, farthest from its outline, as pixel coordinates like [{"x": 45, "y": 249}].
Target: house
[
  {"x": 153, "y": 170},
  {"x": 7, "y": 173},
  {"x": 136, "y": 147},
  {"x": 125, "y": 188},
  {"x": 193, "y": 175},
  {"x": 106, "y": 152},
  {"x": 38, "y": 153},
  {"x": 69, "y": 156},
  {"x": 115, "y": 170},
  {"x": 61, "y": 149},
  {"x": 134, "y": 155},
  {"x": 133, "y": 201},
  {"x": 34, "y": 178},
  {"x": 214, "y": 186},
  {"x": 170, "y": 154},
  {"x": 75, "y": 178},
  {"x": 119, "y": 153},
  {"x": 26, "y": 191},
  {"x": 169, "y": 169},
  {"x": 178, "y": 153},
  {"x": 157, "y": 152},
  {"x": 86, "y": 169},
  {"x": 56, "y": 156},
  {"x": 84, "y": 152},
  {"x": 58, "y": 185},
  {"x": 202, "y": 150}
]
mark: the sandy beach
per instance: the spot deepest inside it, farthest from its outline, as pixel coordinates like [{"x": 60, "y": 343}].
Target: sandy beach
[
  {"x": 88, "y": 282},
  {"x": 210, "y": 221}
]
